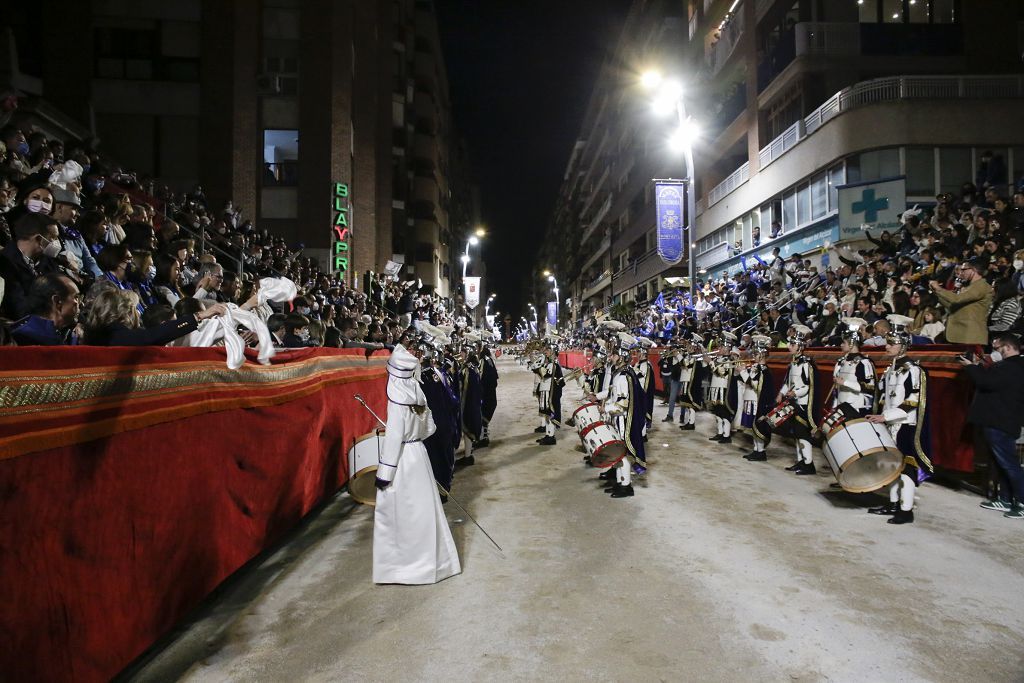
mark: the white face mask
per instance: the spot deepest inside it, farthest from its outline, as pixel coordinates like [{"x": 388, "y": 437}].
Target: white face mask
[
  {"x": 996, "y": 356},
  {"x": 150, "y": 272},
  {"x": 1018, "y": 264},
  {"x": 36, "y": 205},
  {"x": 52, "y": 248}
]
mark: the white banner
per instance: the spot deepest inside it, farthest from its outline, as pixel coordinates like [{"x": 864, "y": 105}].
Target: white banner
[
  {"x": 472, "y": 291},
  {"x": 875, "y": 206}
]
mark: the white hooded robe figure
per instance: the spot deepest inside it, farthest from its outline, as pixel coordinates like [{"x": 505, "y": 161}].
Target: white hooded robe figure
[{"x": 412, "y": 543}]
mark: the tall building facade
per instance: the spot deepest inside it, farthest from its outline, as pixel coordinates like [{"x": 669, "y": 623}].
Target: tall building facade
[
  {"x": 796, "y": 98},
  {"x": 326, "y": 120}
]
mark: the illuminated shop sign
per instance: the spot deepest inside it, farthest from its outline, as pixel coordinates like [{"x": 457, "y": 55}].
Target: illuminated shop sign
[{"x": 341, "y": 232}]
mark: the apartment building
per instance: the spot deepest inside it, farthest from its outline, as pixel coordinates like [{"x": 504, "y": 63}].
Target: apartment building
[
  {"x": 310, "y": 115},
  {"x": 795, "y": 98}
]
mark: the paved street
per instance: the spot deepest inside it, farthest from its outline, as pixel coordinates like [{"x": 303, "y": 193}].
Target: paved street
[{"x": 717, "y": 570}]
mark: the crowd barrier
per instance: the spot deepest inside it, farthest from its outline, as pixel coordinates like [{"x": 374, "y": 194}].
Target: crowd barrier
[
  {"x": 948, "y": 397},
  {"x": 133, "y": 481}
]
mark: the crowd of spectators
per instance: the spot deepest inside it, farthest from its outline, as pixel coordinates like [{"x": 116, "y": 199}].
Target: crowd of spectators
[
  {"x": 955, "y": 268},
  {"x": 94, "y": 254}
]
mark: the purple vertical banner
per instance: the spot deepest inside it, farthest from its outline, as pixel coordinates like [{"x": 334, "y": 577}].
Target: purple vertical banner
[
  {"x": 669, "y": 201},
  {"x": 552, "y": 314}
]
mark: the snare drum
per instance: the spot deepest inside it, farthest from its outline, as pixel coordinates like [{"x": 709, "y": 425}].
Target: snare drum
[
  {"x": 780, "y": 414},
  {"x": 362, "y": 467},
  {"x": 586, "y": 415},
  {"x": 863, "y": 455},
  {"x": 833, "y": 420},
  {"x": 605, "y": 447}
]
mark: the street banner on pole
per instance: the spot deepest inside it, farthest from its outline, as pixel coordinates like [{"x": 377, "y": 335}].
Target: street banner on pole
[
  {"x": 552, "y": 315},
  {"x": 472, "y": 294},
  {"x": 875, "y": 206},
  {"x": 670, "y": 200}
]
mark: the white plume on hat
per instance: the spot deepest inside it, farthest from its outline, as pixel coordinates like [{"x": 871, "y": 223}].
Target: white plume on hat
[
  {"x": 613, "y": 325},
  {"x": 899, "y": 320}
]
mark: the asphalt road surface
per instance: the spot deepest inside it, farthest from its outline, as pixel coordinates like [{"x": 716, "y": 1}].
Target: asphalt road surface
[{"x": 717, "y": 570}]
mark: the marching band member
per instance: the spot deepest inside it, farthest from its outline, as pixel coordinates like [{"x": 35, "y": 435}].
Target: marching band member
[
  {"x": 722, "y": 391},
  {"x": 668, "y": 367},
  {"x": 757, "y": 392},
  {"x": 549, "y": 400},
  {"x": 489, "y": 385},
  {"x": 853, "y": 387},
  {"x": 799, "y": 390},
  {"x": 901, "y": 407},
  {"x": 690, "y": 384},
  {"x": 645, "y": 373},
  {"x": 412, "y": 543},
  {"x": 626, "y": 408},
  {"x": 536, "y": 360},
  {"x": 444, "y": 406}
]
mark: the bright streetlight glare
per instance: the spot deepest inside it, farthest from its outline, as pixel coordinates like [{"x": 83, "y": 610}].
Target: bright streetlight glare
[
  {"x": 551, "y": 278},
  {"x": 650, "y": 79},
  {"x": 465, "y": 258},
  {"x": 480, "y": 232},
  {"x": 474, "y": 240},
  {"x": 663, "y": 106},
  {"x": 684, "y": 136}
]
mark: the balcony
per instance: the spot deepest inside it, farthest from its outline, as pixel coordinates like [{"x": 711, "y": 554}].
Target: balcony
[
  {"x": 719, "y": 53},
  {"x": 597, "y": 285},
  {"x": 719, "y": 191},
  {"x": 602, "y": 248},
  {"x": 601, "y": 213}
]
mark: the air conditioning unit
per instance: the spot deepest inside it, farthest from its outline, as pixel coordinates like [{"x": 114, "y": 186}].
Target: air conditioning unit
[{"x": 268, "y": 84}]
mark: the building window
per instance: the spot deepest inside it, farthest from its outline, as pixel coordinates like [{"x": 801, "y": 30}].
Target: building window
[
  {"x": 789, "y": 211},
  {"x": 882, "y": 163},
  {"x": 943, "y": 11},
  {"x": 868, "y": 10},
  {"x": 892, "y": 11},
  {"x": 281, "y": 157},
  {"x": 921, "y": 171},
  {"x": 819, "y": 196},
  {"x": 954, "y": 168},
  {"x": 803, "y": 205},
  {"x": 836, "y": 177}
]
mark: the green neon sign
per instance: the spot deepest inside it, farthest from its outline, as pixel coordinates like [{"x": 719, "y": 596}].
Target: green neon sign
[{"x": 341, "y": 232}]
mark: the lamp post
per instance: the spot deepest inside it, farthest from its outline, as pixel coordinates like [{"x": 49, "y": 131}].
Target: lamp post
[
  {"x": 669, "y": 99},
  {"x": 554, "y": 282}
]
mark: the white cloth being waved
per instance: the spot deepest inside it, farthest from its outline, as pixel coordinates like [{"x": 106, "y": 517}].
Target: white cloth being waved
[
  {"x": 222, "y": 328},
  {"x": 412, "y": 543}
]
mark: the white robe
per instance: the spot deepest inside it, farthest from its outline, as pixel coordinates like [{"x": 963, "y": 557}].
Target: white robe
[{"x": 412, "y": 543}]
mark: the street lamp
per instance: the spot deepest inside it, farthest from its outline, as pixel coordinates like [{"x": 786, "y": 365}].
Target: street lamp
[
  {"x": 473, "y": 241},
  {"x": 551, "y": 279},
  {"x": 669, "y": 99},
  {"x": 487, "y": 304}
]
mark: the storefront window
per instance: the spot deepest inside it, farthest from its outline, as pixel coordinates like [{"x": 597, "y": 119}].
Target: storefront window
[
  {"x": 836, "y": 177},
  {"x": 819, "y": 196},
  {"x": 920, "y": 171}
]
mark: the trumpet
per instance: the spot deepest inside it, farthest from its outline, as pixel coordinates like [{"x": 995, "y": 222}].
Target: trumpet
[{"x": 573, "y": 374}]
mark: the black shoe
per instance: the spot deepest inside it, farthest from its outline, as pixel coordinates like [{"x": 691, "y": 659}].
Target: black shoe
[
  {"x": 669, "y": 418},
  {"x": 758, "y": 457},
  {"x": 623, "y": 492},
  {"x": 794, "y": 467},
  {"x": 688, "y": 428},
  {"x": 716, "y": 437},
  {"x": 807, "y": 468},
  {"x": 725, "y": 439},
  {"x": 540, "y": 430},
  {"x": 482, "y": 443},
  {"x": 611, "y": 488},
  {"x": 902, "y": 517},
  {"x": 586, "y": 460},
  {"x": 607, "y": 475},
  {"x": 887, "y": 509},
  {"x": 466, "y": 461},
  {"x": 547, "y": 441}
]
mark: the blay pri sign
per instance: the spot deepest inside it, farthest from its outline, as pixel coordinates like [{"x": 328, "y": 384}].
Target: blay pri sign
[{"x": 341, "y": 232}]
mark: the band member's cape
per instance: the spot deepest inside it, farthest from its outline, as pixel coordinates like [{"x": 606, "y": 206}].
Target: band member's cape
[
  {"x": 693, "y": 397},
  {"x": 914, "y": 444},
  {"x": 728, "y": 411},
  {"x": 636, "y": 418},
  {"x": 444, "y": 404},
  {"x": 553, "y": 409},
  {"x": 647, "y": 387},
  {"x": 471, "y": 397},
  {"x": 489, "y": 383},
  {"x": 765, "y": 402}
]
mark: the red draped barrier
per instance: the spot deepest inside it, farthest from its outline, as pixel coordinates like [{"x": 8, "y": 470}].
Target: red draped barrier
[
  {"x": 949, "y": 394},
  {"x": 160, "y": 474}
]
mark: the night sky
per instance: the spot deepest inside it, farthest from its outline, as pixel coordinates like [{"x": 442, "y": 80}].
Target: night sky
[{"x": 521, "y": 72}]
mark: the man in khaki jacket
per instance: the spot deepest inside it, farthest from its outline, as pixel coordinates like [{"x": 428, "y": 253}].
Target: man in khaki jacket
[{"x": 968, "y": 309}]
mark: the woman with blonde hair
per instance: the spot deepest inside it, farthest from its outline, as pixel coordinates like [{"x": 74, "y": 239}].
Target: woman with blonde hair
[
  {"x": 113, "y": 319},
  {"x": 931, "y": 325}
]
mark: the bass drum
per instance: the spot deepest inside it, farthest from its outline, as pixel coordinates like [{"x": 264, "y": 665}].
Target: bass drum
[
  {"x": 863, "y": 455},
  {"x": 605, "y": 447},
  {"x": 362, "y": 467},
  {"x": 586, "y": 415}
]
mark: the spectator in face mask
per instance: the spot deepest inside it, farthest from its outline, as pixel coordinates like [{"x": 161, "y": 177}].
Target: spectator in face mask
[
  {"x": 296, "y": 331},
  {"x": 52, "y": 304},
  {"x": 36, "y": 245}
]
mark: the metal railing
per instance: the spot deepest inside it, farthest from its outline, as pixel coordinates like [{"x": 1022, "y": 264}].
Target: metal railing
[
  {"x": 735, "y": 179},
  {"x": 719, "y": 53}
]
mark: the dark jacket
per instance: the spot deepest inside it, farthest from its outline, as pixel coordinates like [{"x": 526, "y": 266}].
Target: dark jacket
[
  {"x": 119, "y": 335},
  {"x": 38, "y": 331},
  {"x": 998, "y": 395},
  {"x": 18, "y": 277}
]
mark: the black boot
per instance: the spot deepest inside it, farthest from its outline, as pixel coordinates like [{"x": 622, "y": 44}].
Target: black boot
[
  {"x": 623, "y": 491},
  {"x": 668, "y": 418},
  {"x": 807, "y": 468},
  {"x": 540, "y": 430},
  {"x": 887, "y": 509},
  {"x": 725, "y": 439},
  {"x": 902, "y": 517},
  {"x": 716, "y": 437},
  {"x": 482, "y": 443},
  {"x": 614, "y": 486},
  {"x": 464, "y": 461},
  {"x": 794, "y": 467},
  {"x": 688, "y": 427},
  {"x": 547, "y": 441},
  {"x": 607, "y": 475},
  {"x": 758, "y": 456}
]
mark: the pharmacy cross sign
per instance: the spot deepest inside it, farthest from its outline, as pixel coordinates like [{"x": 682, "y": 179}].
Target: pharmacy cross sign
[{"x": 870, "y": 206}]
